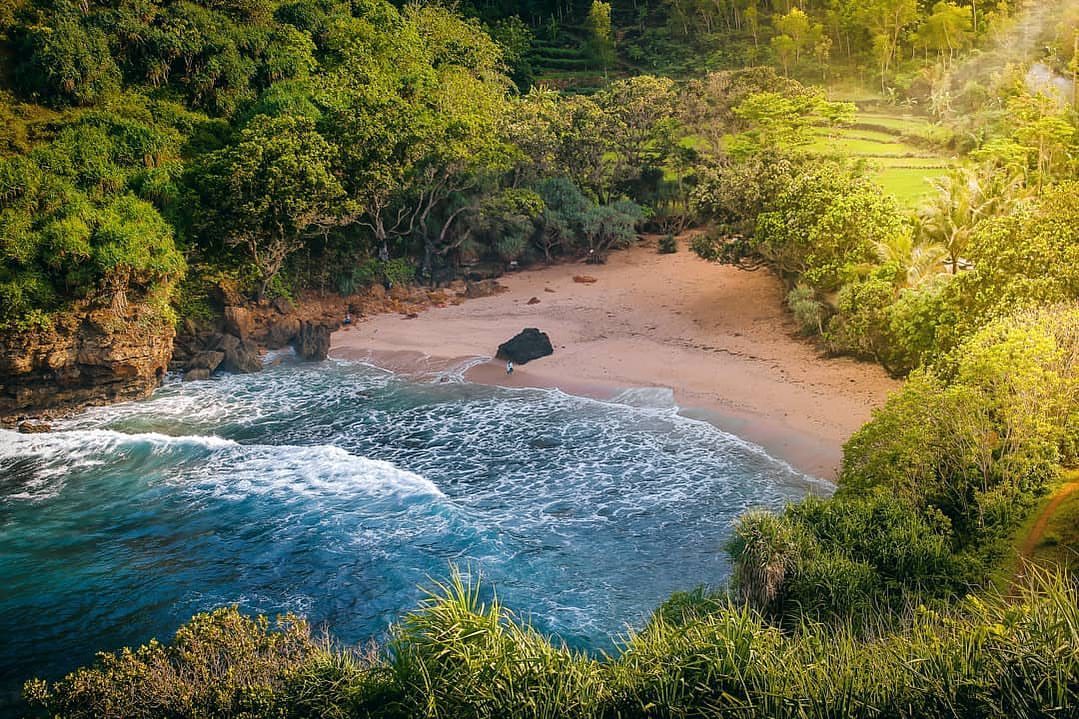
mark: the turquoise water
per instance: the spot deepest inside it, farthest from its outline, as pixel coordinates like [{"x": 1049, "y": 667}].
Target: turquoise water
[{"x": 338, "y": 490}]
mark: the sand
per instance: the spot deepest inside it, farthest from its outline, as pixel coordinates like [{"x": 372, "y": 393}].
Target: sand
[{"x": 717, "y": 336}]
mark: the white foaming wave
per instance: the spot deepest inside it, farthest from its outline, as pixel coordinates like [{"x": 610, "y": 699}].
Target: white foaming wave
[
  {"x": 56, "y": 454},
  {"x": 457, "y": 373},
  {"x": 311, "y": 471},
  {"x": 73, "y": 446},
  {"x": 229, "y": 467}
]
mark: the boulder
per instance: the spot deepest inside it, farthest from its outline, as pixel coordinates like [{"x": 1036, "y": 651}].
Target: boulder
[
  {"x": 34, "y": 427},
  {"x": 280, "y": 333},
  {"x": 238, "y": 321},
  {"x": 208, "y": 360},
  {"x": 241, "y": 356},
  {"x": 312, "y": 342},
  {"x": 529, "y": 345},
  {"x": 223, "y": 342},
  {"x": 196, "y": 374}
]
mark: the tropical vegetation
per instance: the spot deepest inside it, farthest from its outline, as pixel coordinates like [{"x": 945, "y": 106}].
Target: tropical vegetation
[{"x": 300, "y": 144}]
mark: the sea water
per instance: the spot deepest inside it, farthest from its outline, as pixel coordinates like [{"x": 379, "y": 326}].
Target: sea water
[{"x": 340, "y": 491}]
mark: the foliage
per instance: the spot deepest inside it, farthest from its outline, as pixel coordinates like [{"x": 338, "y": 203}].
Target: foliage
[
  {"x": 826, "y": 220},
  {"x": 461, "y": 656},
  {"x": 219, "y": 664},
  {"x": 981, "y": 433},
  {"x": 269, "y": 190}
]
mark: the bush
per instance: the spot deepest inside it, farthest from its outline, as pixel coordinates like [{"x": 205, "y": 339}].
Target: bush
[
  {"x": 809, "y": 312},
  {"x": 371, "y": 272},
  {"x": 984, "y": 430},
  {"x": 668, "y": 245},
  {"x": 458, "y": 657},
  {"x": 220, "y": 664}
]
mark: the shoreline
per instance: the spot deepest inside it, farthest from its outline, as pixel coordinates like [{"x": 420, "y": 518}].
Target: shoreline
[{"x": 717, "y": 337}]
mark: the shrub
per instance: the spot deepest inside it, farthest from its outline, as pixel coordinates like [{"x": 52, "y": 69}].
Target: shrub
[
  {"x": 459, "y": 657},
  {"x": 809, "y": 312},
  {"x": 984, "y": 430},
  {"x": 668, "y": 245},
  {"x": 219, "y": 664}
]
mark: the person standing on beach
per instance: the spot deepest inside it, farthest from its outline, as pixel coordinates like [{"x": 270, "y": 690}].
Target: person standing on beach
[{"x": 509, "y": 368}]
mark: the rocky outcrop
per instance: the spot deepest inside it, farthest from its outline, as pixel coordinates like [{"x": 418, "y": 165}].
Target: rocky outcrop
[
  {"x": 530, "y": 344},
  {"x": 238, "y": 322},
  {"x": 240, "y": 356},
  {"x": 89, "y": 356},
  {"x": 312, "y": 343}
]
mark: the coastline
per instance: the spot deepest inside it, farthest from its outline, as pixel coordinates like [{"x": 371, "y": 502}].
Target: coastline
[{"x": 716, "y": 336}]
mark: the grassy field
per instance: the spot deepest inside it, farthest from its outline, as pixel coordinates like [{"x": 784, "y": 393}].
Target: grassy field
[{"x": 905, "y": 152}]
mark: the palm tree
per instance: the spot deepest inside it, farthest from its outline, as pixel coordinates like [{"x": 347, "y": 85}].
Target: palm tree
[
  {"x": 963, "y": 199},
  {"x": 920, "y": 257}
]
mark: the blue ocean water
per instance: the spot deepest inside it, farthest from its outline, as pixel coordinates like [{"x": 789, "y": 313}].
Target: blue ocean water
[{"x": 338, "y": 491}]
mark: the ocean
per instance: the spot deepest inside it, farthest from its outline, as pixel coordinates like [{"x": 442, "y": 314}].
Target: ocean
[{"x": 342, "y": 492}]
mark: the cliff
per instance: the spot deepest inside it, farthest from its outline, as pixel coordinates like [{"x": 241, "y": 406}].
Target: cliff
[{"x": 90, "y": 356}]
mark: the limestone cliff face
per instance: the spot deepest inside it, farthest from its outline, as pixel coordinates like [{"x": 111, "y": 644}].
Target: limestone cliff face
[{"x": 90, "y": 356}]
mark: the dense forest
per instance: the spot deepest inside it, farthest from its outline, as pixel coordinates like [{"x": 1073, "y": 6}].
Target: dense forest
[{"x": 150, "y": 149}]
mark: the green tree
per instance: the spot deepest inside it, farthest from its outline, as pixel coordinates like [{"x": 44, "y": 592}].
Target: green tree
[
  {"x": 65, "y": 61},
  {"x": 601, "y": 33},
  {"x": 271, "y": 191}
]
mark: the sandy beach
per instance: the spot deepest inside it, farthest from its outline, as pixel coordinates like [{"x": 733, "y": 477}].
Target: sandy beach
[{"x": 717, "y": 336}]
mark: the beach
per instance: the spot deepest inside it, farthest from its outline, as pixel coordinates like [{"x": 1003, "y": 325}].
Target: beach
[{"x": 717, "y": 336}]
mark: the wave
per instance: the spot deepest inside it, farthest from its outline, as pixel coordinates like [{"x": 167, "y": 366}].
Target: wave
[{"x": 224, "y": 466}]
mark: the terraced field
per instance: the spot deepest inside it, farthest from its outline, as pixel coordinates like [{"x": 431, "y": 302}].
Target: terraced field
[{"x": 905, "y": 152}]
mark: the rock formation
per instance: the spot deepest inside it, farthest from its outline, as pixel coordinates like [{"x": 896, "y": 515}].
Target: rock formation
[
  {"x": 89, "y": 356},
  {"x": 313, "y": 341},
  {"x": 529, "y": 345}
]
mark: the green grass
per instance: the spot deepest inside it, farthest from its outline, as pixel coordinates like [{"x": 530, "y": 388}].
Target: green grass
[
  {"x": 903, "y": 124},
  {"x": 909, "y": 185},
  {"x": 902, "y": 168},
  {"x": 1002, "y": 577}
]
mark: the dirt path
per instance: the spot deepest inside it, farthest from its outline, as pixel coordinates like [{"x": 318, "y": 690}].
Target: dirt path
[{"x": 1026, "y": 550}]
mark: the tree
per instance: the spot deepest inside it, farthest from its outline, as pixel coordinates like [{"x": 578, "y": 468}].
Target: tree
[
  {"x": 601, "y": 35},
  {"x": 824, "y": 223},
  {"x": 271, "y": 191},
  {"x": 885, "y": 20},
  {"x": 66, "y": 61},
  {"x": 947, "y": 30},
  {"x": 963, "y": 199},
  {"x": 638, "y": 118},
  {"x": 797, "y": 26}
]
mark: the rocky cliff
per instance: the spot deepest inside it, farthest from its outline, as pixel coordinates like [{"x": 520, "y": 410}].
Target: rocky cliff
[{"x": 90, "y": 356}]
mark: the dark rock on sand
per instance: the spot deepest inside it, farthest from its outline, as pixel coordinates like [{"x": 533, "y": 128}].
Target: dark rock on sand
[{"x": 529, "y": 345}]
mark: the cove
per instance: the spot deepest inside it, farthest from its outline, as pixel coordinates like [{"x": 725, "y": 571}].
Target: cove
[{"x": 339, "y": 491}]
